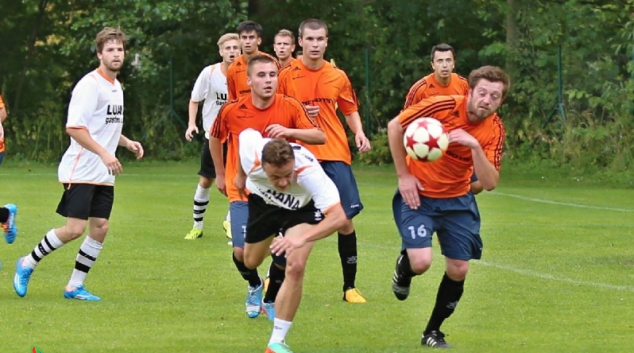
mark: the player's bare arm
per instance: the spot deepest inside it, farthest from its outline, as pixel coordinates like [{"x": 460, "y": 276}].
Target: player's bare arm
[
  {"x": 309, "y": 136},
  {"x": 354, "y": 123},
  {"x": 83, "y": 138},
  {"x": 132, "y": 146},
  {"x": 335, "y": 219},
  {"x": 191, "y": 125},
  {"x": 408, "y": 185},
  {"x": 485, "y": 170},
  {"x": 241, "y": 178},
  {"x": 215, "y": 148}
]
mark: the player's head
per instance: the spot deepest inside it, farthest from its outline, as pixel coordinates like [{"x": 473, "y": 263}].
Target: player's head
[
  {"x": 284, "y": 44},
  {"x": 110, "y": 44},
  {"x": 313, "y": 38},
  {"x": 278, "y": 162},
  {"x": 229, "y": 47},
  {"x": 262, "y": 76},
  {"x": 250, "y": 36},
  {"x": 442, "y": 60},
  {"x": 489, "y": 85}
]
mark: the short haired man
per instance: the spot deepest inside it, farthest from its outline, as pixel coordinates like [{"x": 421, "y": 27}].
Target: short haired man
[
  {"x": 210, "y": 87},
  {"x": 284, "y": 46},
  {"x": 436, "y": 197},
  {"x": 88, "y": 167}
]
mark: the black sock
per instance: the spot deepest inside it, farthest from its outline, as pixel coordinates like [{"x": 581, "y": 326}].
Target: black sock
[
  {"x": 348, "y": 256},
  {"x": 449, "y": 293},
  {"x": 249, "y": 275},
  {"x": 4, "y": 214},
  {"x": 276, "y": 277},
  {"x": 404, "y": 266}
]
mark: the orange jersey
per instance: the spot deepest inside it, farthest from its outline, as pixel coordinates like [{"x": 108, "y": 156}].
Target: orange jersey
[
  {"x": 326, "y": 87},
  {"x": 428, "y": 86},
  {"x": 450, "y": 176},
  {"x": 2, "y": 106},
  {"x": 237, "y": 76},
  {"x": 240, "y": 114}
]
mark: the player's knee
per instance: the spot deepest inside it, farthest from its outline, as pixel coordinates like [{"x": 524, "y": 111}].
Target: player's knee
[
  {"x": 239, "y": 254},
  {"x": 205, "y": 182},
  {"x": 295, "y": 268},
  {"x": 75, "y": 231},
  {"x": 347, "y": 227},
  {"x": 457, "y": 269},
  {"x": 420, "y": 264}
]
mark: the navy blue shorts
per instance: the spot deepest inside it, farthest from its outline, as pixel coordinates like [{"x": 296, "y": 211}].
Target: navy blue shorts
[
  {"x": 474, "y": 177},
  {"x": 341, "y": 174},
  {"x": 455, "y": 220},
  {"x": 239, "y": 214},
  {"x": 1, "y": 157}
]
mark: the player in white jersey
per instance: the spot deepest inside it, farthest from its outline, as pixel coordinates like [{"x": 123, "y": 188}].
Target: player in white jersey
[
  {"x": 88, "y": 168},
  {"x": 210, "y": 87},
  {"x": 289, "y": 193}
]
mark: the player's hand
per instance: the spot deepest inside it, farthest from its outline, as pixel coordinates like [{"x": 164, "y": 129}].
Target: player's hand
[
  {"x": 136, "y": 148},
  {"x": 286, "y": 245},
  {"x": 312, "y": 110},
  {"x": 241, "y": 183},
  {"x": 189, "y": 132},
  {"x": 362, "y": 142},
  {"x": 409, "y": 186},
  {"x": 464, "y": 138},
  {"x": 221, "y": 185},
  {"x": 112, "y": 163},
  {"x": 277, "y": 131}
]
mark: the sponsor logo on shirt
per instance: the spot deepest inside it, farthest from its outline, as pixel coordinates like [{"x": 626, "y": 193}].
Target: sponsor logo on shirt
[{"x": 287, "y": 200}]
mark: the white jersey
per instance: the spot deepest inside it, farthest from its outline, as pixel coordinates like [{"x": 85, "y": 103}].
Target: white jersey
[
  {"x": 210, "y": 86},
  {"x": 310, "y": 182},
  {"x": 96, "y": 106}
]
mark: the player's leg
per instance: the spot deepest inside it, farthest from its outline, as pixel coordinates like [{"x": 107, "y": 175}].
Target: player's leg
[
  {"x": 75, "y": 206},
  {"x": 226, "y": 224},
  {"x": 100, "y": 210},
  {"x": 415, "y": 228},
  {"x": 460, "y": 242},
  {"x": 290, "y": 294},
  {"x": 341, "y": 175},
  {"x": 8, "y": 214},
  {"x": 239, "y": 219},
  {"x": 207, "y": 174}
]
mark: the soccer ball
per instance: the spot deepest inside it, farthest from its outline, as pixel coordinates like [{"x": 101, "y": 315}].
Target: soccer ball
[{"x": 425, "y": 139}]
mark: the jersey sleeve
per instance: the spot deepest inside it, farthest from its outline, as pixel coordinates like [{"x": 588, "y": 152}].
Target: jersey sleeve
[
  {"x": 301, "y": 120},
  {"x": 416, "y": 93},
  {"x": 438, "y": 107},
  {"x": 347, "y": 100},
  {"x": 219, "y": 127},
  {"x": 231, "y": 83},
  {"x": 314, "y": 180},
  {"x": 464, "y": 84},
  {"x": 83, "y": 102},
  {"x": 249, "y": 142},
  {"x": 201, "y": 87},
  {"x": 494, "y": 148},
  {"x": 282, "y": 87}
]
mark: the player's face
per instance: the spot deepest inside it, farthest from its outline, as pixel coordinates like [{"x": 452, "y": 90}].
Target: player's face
[
  {"x": 249, "y": 41},
  {"x": 313, "y": 43},
  {"x": 230, "y": 51},
  {"x": 112, "y": 55},
  {"x": 485, "y": 98},
  {"x": 443, "y": 63},
  {"x": 263, "y": 80},
  {"x": 280, "y": 177},
  {"x": 283, "y": 47}
]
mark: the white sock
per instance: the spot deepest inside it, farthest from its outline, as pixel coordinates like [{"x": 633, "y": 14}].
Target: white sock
[
  {"x": 201, "y": 200},
  {"x": 88, "y": 253},
  {"x": 228, "y": 218},
  {"x": 280, "y": 329},
  {"x": 49, "y": 244}
]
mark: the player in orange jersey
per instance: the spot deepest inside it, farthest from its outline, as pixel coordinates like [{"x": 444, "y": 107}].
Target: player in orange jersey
[
  {"x": 435, "y": 197},
  {"x": 250, "y": 38},
  {"x": 442, "y": 82},
  {"x": 321, "y": 88},
  {"x": 284, "y": 46},
  {"x": 3, "y": 117},
  {"x": 275, "y": 116}
]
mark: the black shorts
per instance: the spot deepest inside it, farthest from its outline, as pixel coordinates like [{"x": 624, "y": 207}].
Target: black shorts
[
  {"x": 86, "y": 200},
  {"x": 207, "y": 168},
  {"x": 267, "y": 220}
]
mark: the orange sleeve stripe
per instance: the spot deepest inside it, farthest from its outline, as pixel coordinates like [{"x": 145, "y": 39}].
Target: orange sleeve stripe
[
  {"x": 429, "y": 110},
  {"x": 411, "y": 95},
  {"x": 256, "y": 163},
  {"x": 327, "y": 210},
  {"x": 301, "y": 169},
  {"x": 77, "y": 127},
  {"x": 497, "y": 161}
]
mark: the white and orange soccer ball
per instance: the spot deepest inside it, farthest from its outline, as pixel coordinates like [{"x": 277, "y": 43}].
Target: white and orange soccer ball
[{"x": 426, "y": 139}]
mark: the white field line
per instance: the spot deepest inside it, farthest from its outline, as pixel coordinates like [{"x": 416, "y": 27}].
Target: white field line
[{"x": 550, "y": 202}]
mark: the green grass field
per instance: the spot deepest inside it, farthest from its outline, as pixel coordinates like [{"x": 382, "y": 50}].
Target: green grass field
[{"x": 557, "y": 274}]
